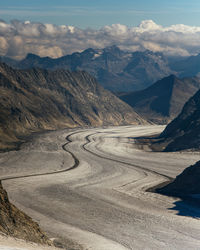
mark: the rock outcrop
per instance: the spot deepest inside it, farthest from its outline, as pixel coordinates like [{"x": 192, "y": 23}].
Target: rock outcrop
[
  {"x": 15, "y": 223},
  {"x": 185, "y": 184}
]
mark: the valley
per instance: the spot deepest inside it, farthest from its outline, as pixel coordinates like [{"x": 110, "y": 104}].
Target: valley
[
  {"x": 89, "y": 185},
  {"x": 99, "y": 125}
]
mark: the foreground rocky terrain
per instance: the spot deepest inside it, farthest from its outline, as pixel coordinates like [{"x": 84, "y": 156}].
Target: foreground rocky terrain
[
  {"x": 36, "y": 100},
  {"x": 15, "y": 223},
  {"x": 164, "y": 100},
  {"x": 186, "y": 184}
]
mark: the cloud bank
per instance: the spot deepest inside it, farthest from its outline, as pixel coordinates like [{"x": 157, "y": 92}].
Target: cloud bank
[{"x": 19, "y": 38}]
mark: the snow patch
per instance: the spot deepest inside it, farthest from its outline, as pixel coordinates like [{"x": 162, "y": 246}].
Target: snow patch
[{"x": 97, "y": 55}]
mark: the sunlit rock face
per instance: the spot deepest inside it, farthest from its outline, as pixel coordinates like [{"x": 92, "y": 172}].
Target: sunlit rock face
[{"x": 37, "y": 100}]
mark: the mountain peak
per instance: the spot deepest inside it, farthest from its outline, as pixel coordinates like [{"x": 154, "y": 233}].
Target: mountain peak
[
  {"x": 32, "y": 56},
  {"x": 89, "y": 50},
  {"x": 114, "y": 68},
  {"x": 164, "y": 99},
  {"x": 170, "y": 79},
  {"x": 183, "y": 132}
]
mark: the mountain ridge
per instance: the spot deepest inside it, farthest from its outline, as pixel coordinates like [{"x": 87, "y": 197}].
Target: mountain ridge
[
  {"x": 162, "y": 101},
  {"x": 115, "y": 69},
  {"x": 187, "y": 67},
  {"x": 35, "y": 100},
  {"x": 182, "y": 133}
]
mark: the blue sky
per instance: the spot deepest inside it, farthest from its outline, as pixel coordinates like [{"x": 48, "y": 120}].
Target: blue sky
[{"x": 97, "y": 13}]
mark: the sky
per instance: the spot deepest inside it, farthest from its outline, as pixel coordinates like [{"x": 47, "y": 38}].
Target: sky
[
  {"x": 98, "y": 13},
  {"x": 59, "y": 27}
]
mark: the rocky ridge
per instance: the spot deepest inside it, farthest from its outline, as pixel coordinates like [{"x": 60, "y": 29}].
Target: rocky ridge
[
  {"x": 115, "y": 69},
  {"x": 164, "y": 100},
  {"x": 183, "y": 133},
  {"x": 36, "y": 100}
]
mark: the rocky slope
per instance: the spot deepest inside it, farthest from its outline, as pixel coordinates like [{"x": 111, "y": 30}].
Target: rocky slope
[
  {"x": 187, "y": 183},
  {"x": 15, "y": 223},
  {"x": 115, "y": 69},
  {"x": 187, "y": 67},
  {"x": 183, "y": 133},
  {"x": 35, "y": 100},
  {"x": 162, "y": 101}
]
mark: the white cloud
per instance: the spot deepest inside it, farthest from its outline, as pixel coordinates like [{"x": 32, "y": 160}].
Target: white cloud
[
  {"x": 147, "y": 26},
  {"x": 3, "y": 46},
  {"x": 19, "y": 38}
]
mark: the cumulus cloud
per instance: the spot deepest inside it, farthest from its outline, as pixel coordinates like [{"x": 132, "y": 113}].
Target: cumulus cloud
[
  {"x": 3, "y": 46},
  {"x": 19, "y": 38}
]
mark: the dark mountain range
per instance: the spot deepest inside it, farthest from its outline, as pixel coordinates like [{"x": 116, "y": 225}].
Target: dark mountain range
[
  {"x": 162, "y": 101},
  {"x": 183, "y": 133},
  {"x": 115, "y": 69},
  {"x": 189, "y": 66},
  {"x": 185, "y": 184},
  {"x": 36, "y": 99}
]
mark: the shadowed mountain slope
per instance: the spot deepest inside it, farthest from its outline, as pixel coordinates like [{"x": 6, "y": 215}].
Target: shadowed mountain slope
[
  {"x": 187, "y": 183},
  {"x": 183, "y": 133},
  {"x": 187, "y": 67},
  {"x": 162, "y": 101},
  {"x": 35, "y": 100}
]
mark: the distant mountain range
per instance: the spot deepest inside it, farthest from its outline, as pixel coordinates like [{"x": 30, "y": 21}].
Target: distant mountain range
[
  {"x": 187, "y": 67},
  {"x": 115, "y": 69},
  {"x": 164, "y": 100},
  {"x": 37, "y": 99}
]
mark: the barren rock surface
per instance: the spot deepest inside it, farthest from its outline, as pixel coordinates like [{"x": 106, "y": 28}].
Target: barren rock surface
[{"x": 35, "y": 100}]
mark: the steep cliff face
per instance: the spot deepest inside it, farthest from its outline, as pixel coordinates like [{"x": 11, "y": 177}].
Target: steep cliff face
[
  {"x": 15, "y": 223},
  {"x": 183, "y": 133},
  {"x": 36, "y": 100}
]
